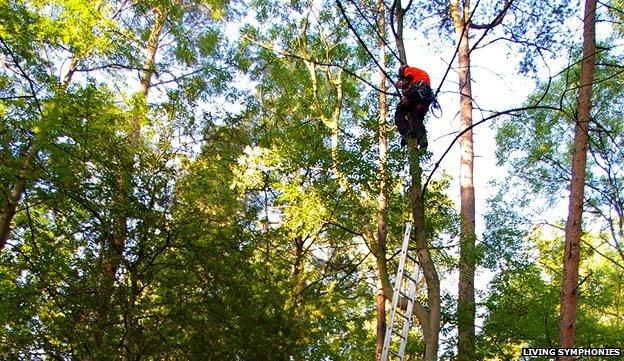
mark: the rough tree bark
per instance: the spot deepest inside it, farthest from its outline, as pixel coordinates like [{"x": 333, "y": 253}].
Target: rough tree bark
[
  {"x": 571, "y": 256},
  {"x": 465, "y": 297}
]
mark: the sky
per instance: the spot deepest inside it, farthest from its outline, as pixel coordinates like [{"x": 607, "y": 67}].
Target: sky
[{"x": 497, "y": 85}]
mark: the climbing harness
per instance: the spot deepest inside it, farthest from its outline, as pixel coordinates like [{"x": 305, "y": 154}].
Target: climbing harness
[
  {"x": 436, "y": 106},
  {"x": 422, "y": 92}
]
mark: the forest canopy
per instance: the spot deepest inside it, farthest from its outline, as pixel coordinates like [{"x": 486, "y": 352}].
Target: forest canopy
[{"x": 215, "y": 180}]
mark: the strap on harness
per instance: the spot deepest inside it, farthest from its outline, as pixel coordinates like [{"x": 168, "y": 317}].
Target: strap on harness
[{"x": 436, "y": 106}]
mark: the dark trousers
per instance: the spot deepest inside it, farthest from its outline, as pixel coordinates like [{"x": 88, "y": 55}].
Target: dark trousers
[
  {"x": 410, "y": 123},
  {"x": 410, "y": 113}
]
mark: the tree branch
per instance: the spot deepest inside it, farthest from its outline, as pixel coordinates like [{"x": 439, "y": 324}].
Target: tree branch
[
  {"x": 497, "y": 20},
  {"x": 370, "y": 54},
  {"x": 493, "y": 116}
]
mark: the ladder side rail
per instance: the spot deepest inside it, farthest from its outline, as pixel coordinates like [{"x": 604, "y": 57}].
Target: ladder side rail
[
  {"x": 397, "y": 288},
  {"x": 409, "y": 310}
]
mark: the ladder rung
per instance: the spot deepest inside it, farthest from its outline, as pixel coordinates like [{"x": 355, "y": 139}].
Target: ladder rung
[
  {"x": 412, "y": 258},
  {"x": 396, "y": 354},
  {"x": 398, "y": 334},
  {"x": 402, "y": 315},
  {"x": 410, "y": 277},
  {"x": 406, "y": 295}
]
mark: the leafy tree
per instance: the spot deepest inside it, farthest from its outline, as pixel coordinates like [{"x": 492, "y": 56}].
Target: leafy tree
[
  {"x": 538, "y": 147},
  {"x": 523, "y": 305}
]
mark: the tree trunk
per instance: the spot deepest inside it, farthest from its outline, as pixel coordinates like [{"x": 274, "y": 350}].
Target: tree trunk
[
  {"x": 73, "y": 65},
  {"x": 571, "y": 256},
  {"x": 465, "y": 294},
  {"x": 28, "y": 156},
  {"x": 466, "y": 297},
  {"x": 430, "y": 320},
  {"x": 399, "y": 14},
  {"x": 129, "y": 319},
  {"x": 428, "y": 316},
  {"x": 382, "y": 200},
  {"x": 115, "y": 244},
  {"x": 335, "y": 130},
  {"x": 149, "y": 64}
]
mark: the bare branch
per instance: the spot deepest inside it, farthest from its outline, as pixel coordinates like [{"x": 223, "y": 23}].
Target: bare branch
[
  {"x": 316, "y": 62},
  {"x": 382, "y": 38},
  {"x": 493, "y": 116},
  {"x": 497, "y": 20},
  {"x": 370, "y": 54}
]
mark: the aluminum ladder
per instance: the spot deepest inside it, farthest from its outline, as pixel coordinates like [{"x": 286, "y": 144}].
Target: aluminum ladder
[{"x": 407, "y": 277}]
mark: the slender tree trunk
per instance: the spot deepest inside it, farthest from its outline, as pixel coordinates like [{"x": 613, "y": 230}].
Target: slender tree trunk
[
  {"x": 298, "y": 282},
  {"x": 399, "y": 14},
  {"x": 124, "y": 187},
  {"x": 465, "y": 296},
  {"x": 150, "y": 63},
  {"x": 73, "y": 65},
  {"x": 130, "y": 323},
  {"x": 431, "y": 323},
  {"x": 116, "y": 244},
  {"x": 571, "y": 256},
  {"x": 382, "y": 200},
  {"x": 121, "y": 223},
  {"x": 428, "y": 316},
  {"x": 335, "y": 130},
  {"x": 152, "y": 48},
  {"x": 28, "y": 157}
]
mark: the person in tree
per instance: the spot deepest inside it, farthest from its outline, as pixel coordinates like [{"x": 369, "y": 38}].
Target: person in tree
[{"x": 416, "y": 98}]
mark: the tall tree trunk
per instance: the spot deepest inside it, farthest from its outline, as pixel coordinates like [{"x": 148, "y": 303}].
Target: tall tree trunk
[
  {"x": 571, "y": 256},
  {"x": 125, "y": 190},
  {"x": 429, "y": 315},
  {"x": 382, "y": 200},
  {"x": 129, "y": 319},
  {"x": 429, "y": 319},
  {"x": 465, "y": 296},
  {"x": 115, "y": 245}
]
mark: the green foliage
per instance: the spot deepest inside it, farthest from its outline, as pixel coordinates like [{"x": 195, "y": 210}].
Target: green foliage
[
  {"x": 523, "y": 304},
  {"x": 524, "y": 240},
  {"x": 217, "y": 210},
  {"x": 616, "y": 10}
]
